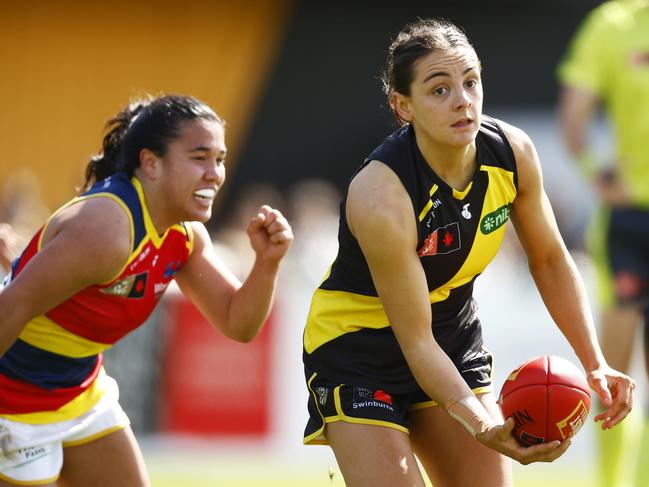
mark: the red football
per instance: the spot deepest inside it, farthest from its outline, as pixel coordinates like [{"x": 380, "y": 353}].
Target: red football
[{"x": 549, "y": 399}]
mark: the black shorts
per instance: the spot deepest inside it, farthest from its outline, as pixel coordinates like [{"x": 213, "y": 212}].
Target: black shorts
[
  {"x": 330, "y": 401},
  {"x": 627, "y": 241}
]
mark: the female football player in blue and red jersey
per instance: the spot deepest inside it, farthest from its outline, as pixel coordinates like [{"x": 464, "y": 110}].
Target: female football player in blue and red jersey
[{"x": 95, "y": 271}]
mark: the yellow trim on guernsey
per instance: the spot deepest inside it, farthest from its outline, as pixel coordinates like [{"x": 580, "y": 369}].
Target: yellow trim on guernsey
[
  {"x": 73, "y": 409},
  {"x": 460, "y": 195},
  {"x": 151, "y": 231},
  {"x": 429, "y": 205},
  {"x": 45, "y": 334},
  {"x": 190, "y": 237}
]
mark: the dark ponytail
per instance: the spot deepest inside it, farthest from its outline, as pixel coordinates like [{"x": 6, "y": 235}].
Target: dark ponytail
[
  {"x": 107, "y": 161},
  {"x": 145, "y": 124}
]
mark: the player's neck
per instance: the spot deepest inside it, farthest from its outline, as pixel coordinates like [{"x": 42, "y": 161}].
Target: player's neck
[{"x": 455, "y": 165}]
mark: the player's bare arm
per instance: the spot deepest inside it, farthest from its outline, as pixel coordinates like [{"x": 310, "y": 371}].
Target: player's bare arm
[
  {"x": 80, "y": 249},
  {"x": 558, "y": 279},
  {"x": 380, "y": 216},
  {"x": 238, "y": 310}
]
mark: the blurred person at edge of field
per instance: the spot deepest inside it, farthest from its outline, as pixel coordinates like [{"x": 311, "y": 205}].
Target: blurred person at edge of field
[
  {"x": 10, "y": 245},
  {"x": 607, "y": 65},
  {"x": 393, "y": 352},
  {"x": 22, "y": 205},
  {"x": 96, "y": 270}
]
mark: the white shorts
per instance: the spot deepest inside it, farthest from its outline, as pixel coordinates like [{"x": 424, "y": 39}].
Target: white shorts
[{"x": 31, "y": 453}]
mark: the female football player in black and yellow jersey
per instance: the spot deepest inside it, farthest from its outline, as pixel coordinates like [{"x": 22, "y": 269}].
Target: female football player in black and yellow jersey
[
  {"x": 393, "y": 351},
  {"x": 95, "y": 271}
]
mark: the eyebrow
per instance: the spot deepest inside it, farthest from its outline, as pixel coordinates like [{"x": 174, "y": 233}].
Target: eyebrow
[
  {"x": 205, "y": 149},
  {"x": 444, "y": 73}
]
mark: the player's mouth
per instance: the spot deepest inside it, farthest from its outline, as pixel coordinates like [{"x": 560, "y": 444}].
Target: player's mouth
[
  {"x": 205, "y": 195},
  {"x": 463, "y": 123}
]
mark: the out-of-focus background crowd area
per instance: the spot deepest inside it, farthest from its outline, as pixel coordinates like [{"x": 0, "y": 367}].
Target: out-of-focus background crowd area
[{"x": 297, "y": 83}]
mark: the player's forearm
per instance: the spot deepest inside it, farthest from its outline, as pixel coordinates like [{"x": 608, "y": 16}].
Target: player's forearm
[
  {"x": 439, "y": 378},
  {"x": 251, "y": 303},
  {"x": 13, "y": 317},
  {"x": 564, "y": 295}
]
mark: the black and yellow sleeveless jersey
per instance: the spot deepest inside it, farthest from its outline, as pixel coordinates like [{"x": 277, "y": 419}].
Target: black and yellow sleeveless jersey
[{"x": 348, "y": 337}]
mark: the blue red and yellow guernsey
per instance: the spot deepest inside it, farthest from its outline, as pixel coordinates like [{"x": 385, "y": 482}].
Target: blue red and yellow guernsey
[{"x": 54, "y": 372}]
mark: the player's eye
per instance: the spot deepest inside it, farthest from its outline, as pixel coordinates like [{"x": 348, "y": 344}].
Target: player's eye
[{"x": 440, "y": 91}]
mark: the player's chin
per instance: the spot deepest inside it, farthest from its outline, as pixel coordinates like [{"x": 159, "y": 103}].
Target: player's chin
[{"x": 200, "y": 215}]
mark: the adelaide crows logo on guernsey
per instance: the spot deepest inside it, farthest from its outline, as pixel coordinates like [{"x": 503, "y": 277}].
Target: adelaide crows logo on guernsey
[
  {"x": 132, "y": 286},
  {"x": 442, "y": 240}
]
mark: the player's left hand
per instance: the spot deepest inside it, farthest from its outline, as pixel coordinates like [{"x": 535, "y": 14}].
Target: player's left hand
[
  {"x": 270, "y": 234},
  {"x": 617, "y": 393}
]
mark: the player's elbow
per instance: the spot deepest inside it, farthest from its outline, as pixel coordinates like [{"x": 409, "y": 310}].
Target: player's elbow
[{"x": 243, "y": 333}]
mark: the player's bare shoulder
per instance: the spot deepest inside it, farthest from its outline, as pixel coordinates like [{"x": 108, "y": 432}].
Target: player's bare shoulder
[
  {"x": 521, "y": 143},
  {"x": 99, "y": 229},
  {"x": 527, "y": 159},
  {"x": 376, "y": 197},
  {"x": 377, "y": 190}
]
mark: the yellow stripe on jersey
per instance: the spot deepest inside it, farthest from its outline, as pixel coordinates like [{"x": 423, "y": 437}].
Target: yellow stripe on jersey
[
  {"x": 75, "y": 408},
  {"x": 43, "y": 333},
  {"x": 334, "y": 313},
  {"x": 151, "y": 231},
  {"x": 190, "y": 237},
  {"x": 485, "y": 246},
  {"x": 429, "y": 205}
]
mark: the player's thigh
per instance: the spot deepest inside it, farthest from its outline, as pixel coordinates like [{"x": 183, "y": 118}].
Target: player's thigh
[
  {"x": 451, "y": 456},
  {"x": 373, "y": 456},
  {"x": 114, "y": 459}
]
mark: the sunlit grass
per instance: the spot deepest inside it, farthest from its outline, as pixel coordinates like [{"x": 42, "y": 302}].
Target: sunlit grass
[{"x": 239, "y": 472}]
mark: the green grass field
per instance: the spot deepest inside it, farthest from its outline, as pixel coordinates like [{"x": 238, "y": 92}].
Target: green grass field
[{"x": 237, "y": 471}]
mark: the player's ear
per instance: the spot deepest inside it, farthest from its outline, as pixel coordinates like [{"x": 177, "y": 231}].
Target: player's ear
[
  {"x": 400, "y": 105},
  {"x": 150, "y": 164}
]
